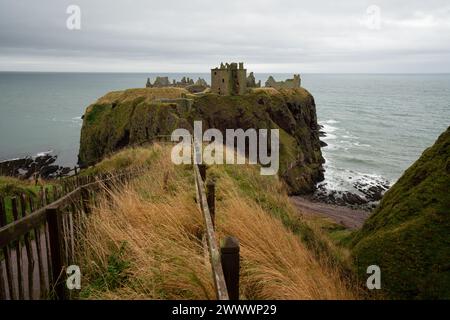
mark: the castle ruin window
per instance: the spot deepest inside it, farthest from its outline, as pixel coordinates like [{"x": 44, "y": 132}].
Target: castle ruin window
[{"x": 223, "y": 80}]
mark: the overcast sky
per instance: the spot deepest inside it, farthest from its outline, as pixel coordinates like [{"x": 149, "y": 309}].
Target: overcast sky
[{"x": 193, "y": 36}]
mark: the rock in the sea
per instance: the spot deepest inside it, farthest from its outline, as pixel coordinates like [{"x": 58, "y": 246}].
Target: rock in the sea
[
  {"x": 353, "y": 199},
  {"x": 27, "y": 167},
  {"x": 372, "y": 192},
  {"x": 365, "y": 195},
  {"x": 323, "y": 144}
]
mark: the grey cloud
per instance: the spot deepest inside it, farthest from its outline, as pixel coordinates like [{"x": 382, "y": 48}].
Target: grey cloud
[{"x": 278, "y": 36}]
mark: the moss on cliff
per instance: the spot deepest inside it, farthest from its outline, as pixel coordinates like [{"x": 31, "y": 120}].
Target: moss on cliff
[
  {"x": 137, "y": 115},
  {"x": 123, "y": 117},
  {"x": 408, "y": 235}
]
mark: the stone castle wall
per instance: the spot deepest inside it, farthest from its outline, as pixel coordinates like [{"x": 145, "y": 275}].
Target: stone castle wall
[
  {"x": 293, "y": 83},
  {"x": 229, "y": 79}
]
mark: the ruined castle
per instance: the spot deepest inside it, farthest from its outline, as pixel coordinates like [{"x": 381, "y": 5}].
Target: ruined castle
[
  {"x": 228, "y": 79},
  {"x": 231, "y": 79}
]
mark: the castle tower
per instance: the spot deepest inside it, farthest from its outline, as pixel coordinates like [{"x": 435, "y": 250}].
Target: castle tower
[{"x": 229, "y": 79}]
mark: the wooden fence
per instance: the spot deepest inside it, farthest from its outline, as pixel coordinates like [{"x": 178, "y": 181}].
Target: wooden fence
[
  {"x": 224, "y": 259},
  {"x": 42, "y": 237}
]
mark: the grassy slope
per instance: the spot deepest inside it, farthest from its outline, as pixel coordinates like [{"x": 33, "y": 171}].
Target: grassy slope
[
  {"x": 408, "y": 235},
  {"x": 145, "y": 241}
]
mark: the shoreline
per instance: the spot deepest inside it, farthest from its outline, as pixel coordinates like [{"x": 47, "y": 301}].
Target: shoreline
[{"x": 350, "y": 218}]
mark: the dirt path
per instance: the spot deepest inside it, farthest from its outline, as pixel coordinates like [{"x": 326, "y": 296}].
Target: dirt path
[{"x": 349, "y": 218}]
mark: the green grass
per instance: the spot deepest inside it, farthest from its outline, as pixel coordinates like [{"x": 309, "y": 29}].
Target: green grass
[
  {"x": 408, "y": 235},
  {"x": 113, "y": 276},
  {"x": 13, "y": 187}
]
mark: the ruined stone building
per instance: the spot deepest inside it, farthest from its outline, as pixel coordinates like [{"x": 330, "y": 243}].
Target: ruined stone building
[
  {"x": 201, "y": 82},
  {"x": 159, "y": 82},
  {"x": 251, "y": 81},
  {"x": 229, "y": 79},
  {"x": 185, "y": 82},
  {"x": 287, "y": 84}
]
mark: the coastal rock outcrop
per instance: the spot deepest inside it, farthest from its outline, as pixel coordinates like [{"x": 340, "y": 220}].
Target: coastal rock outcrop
[
  {"x": 41, "y": 165},
  {"x": 136, "y": 116},
  {"x": 408, "y": 234}
]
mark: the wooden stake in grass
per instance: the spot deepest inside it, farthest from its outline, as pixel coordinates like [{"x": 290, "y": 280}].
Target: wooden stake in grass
[
  {"x": 54, "y": 230},
  {"x": 18, "y": 251},
  {"x": 229, "y": 253},
  {"x": 210, "y": 196}
]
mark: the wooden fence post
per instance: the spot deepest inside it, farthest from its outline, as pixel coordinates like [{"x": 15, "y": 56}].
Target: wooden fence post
[
  {"x": 55, "y": 193},
  {"x": 210, "y": 196},
  {"x": 18, "y": 248},
  {"x": 28, "y": 249},
  {"x": 7, "y": 253},
  {"x": 54, "y": 229},
  {"x": 202, "y": 169},
  {"x": 77, "y": 183},
  {"x": 229, "y": 254},
  {"x": 85, "y": 199}
]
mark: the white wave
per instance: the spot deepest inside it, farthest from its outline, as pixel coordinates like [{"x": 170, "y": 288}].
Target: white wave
[
  {"x": 71, "y": 120},
  {"x": 329, "y": 137},
  {"x": 327, "y": 128},
  {"x": 44, "y": 153},
  {"x": 361, "y": 144},
  {"x": 344, "y": 179},
  {"x": 331, "y": 121},
  {"x": 350, "y": 137}
]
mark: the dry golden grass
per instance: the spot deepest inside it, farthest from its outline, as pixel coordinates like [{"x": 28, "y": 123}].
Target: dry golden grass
[
  {"x": 157, "y": 222},
  {"x": 127, "y": 158},
  {"x": 272, "y": 91},
  {"x": 161, "y": 234},
  {"x": 129, "y": 95},
  {"x": 276, "y": 265},
  {"x": 149, "y": 94}
]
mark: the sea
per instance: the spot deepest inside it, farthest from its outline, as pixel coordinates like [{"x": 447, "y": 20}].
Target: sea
[{"x": 375, "y": 125}]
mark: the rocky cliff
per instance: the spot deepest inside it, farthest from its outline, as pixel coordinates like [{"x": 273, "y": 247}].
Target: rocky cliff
[
  {"x": 137, "y": 115},
  {"x": 408, "y": 235}
]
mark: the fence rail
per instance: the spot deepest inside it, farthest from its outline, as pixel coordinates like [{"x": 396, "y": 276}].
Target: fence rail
[{"x": 225, "y": 259}]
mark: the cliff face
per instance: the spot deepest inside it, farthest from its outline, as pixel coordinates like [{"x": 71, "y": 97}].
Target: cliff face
[
  {"x": 408, "y": 235},
  {"x": 135, "y": 116}
]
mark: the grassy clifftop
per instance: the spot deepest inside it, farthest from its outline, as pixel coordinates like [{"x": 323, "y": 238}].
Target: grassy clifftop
[
  {"x": 143, "y": 240},
  {"x": 134, "y": 116},
  {"x": 408, "y": 235}
]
